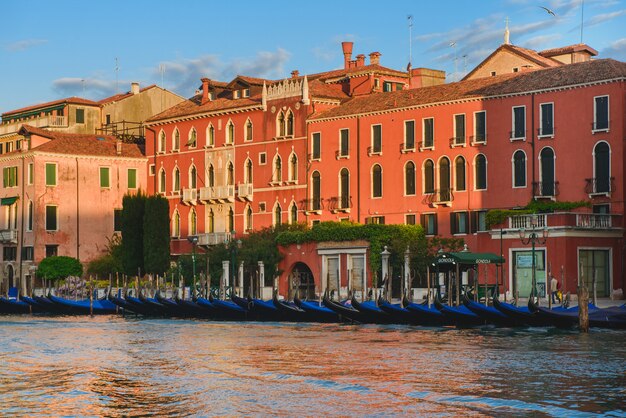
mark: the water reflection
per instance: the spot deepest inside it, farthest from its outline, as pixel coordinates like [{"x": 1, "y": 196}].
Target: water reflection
[{"x": 124, "y": 367}]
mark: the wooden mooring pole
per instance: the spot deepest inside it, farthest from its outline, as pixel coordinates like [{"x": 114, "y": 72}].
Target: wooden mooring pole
[{"x": 583, "y": 308}]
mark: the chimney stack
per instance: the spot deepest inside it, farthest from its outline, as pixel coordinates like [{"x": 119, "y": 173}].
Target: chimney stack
[
  {"x": 295, "y": 74},
  {"x": 118, "y": 147},
  {"x": 347, "y": 53},
  {"x": 205, "y": 89},
  {"x": 134, "y": 88},
  {"x": 375, "y": 58},
  {"x": 360, "y": 60}
]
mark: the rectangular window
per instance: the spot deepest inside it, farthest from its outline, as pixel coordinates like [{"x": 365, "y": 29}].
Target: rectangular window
[
  {"x": 51, "y": 218},
  {"x": 132, "y": 178},
  {"x": 262, "y": 207},
  {"x": 429, "y": 223},
  {"x": 28, "y": 253},
  {"x": 31, "y": 173},
  {"x": 9, "y": 176},
  {"x": 152, "y": 169},
  {"x": 459, "y": 129},
  {"x": 379, "y": 220},
  {"x": 9, "y": 253},
  {"x": 387, "y": 86},
  {"x": 459, "y": 223},
  {"x": 480, "y": 127},
  {"x": 409, "y": 219},
  {"x": 409, "y": 135},
  {"x": 108, "y": 119},
  {"x": 344, "y": 140},
  {"x": 428, "y": 134},
  {"x": 262, "y": 158},
  {"x": 52, "y": 250},
  {"x": 479, "y": 221},
  {"x": 519, "y": 123},
  {"x": 117, "y": 220},
  {"x": 80, "y": 115},
  {"x": 377, "y": 139},
  {"x": 546, "y": 119},
  {"x": 9, "y": 147},
  {"x": 51, "y": 174},
  {"x": 601, "y": 113},
  {"x": 317, "y": 146},
  {"x": 104, "y": 177}
]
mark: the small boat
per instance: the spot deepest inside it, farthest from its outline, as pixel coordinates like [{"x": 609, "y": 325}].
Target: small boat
[
  {"x": 398, "y": 313},
  {"x": 374, "y": 314},
  {"x": 291, "y": 312},
  {"x": 426, "y": 315},
  {"x": 318, "y": 311},
  {"x": 14, "y": 306},
  {"x": 613, "y": 317},
  {"x": 346, "y": 311},
  {"x": 119, "y": 301},
  {"x": 521, "y": 314},
  {"x": 460, "y": 316},
  {"x": 136, "y": 305},
  {"x": 85, "y": 306},
  {"x": 50, "y": 307},
  {"x": 258, "y": 309},
  {"x": 490, "y": 314},
  {"x": 228, "y": 310}
]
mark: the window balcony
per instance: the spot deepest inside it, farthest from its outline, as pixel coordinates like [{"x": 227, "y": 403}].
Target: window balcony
[
  {"x": 190, "y": 196},
  {"x": 245, "y": 192},
  {"x": 426, "y": 145},
  {"x": 405, "y": 149},
  {"x": 440, "y": 197},
  {"x": 47, "y": 121},
  {"x": 545, "y": 189},
  {"x": 478, "y": 139},
  {"x": 457, "y": 141},
  {"x": 600, "y": 186},
  {"x": 340, "y": 204},
  {"x": 8, "y": 236},
  {"x": 565, "y": 221},
  {"x": 214, "y": 238},
  {"x": 217, "y": 194},
  {"x": 312, "y": 206}
]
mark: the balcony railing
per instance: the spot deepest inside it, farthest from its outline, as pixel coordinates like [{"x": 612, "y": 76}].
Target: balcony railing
[
  {"x": 527, "y": 221},
  {"x": 190, "y": 196},
  {"x": 8, "y": 236},
  {"x": 567, "y": 220},
  {"x": 47, "y": 121},
  {"x": 545, "y": 188},
  {"x": 218, "y": 194},
  {"x": 214, "y": 238},
  {"x": 600, "y": 185},
  {"x": 441, "y": 196},
  {"x": 457, "y": 141},
  {"x": 245, "y": 191},
  {"x": 340, "y": 204},
  {"x": 315, "y": 205}
]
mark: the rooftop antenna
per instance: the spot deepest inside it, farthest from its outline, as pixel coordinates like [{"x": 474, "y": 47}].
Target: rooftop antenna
[
  {"x": 465, "y": 63},
  {"x": 410, "y": 19},
  {"x": 162, "y": 71},
  {"x": 582, "y": 14},
  {"x": 117, "y": 70},
  {"x": 453, "y": 45}
]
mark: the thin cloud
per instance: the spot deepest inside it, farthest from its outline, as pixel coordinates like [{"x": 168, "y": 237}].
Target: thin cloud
[
  {"x": 24, "y": 44},
  {"x": 541, "y": 41},
  {"x": 605, "y": 17},
  {"x": 616, "y": 50},
  {"x": 85, "y": 87}
]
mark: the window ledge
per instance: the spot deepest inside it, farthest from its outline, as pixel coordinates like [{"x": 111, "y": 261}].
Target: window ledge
[
  {"x": 427, "y": 148},
  {"x": 209, "y": 146},
  {"x": 407, "y": 150},
  {"x": 343, "y": 157},
  {"x": 477, "y": 143},
  {"x": 599, "y": 194},
  {"x": 313, "y": 212},
  {"x": 521, "y": 138},
  {"x": 551, "y": 136},
  {"x": 175, "y": 150},
  {"x": 598, "y": 131},
  {"x": 371, "y": 154}
]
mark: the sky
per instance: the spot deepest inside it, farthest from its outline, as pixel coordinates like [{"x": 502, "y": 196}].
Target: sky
[{"x": 93, "y": 49}]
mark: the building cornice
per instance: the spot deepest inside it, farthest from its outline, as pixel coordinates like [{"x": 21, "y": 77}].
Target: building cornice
[{"x": 201, "y": 115}]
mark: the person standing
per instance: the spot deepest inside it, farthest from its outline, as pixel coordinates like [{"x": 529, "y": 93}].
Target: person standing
[{"x": 554, "y": 284}]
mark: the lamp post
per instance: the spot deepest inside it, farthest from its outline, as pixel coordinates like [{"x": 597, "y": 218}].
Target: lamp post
[
  {"x": 193, "y": 239},
  {"x": 235, "y": 245},
  {"x": 532, "y": 237}
]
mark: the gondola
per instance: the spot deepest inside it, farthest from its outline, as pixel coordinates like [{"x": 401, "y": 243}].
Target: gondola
[
  {"x": 48, "y": 306},
  {"x": 613, "y": 317},
  {"x": 120, "y": 302},
  {"x": 193, "y": 308},
  {"x": 169, "y": 306},
  {"x": 158, "y": 307},
  {"x": 398, "y": 313},
  {"x": 521, "y": 314},
  {"x": 346, "y": 311},
  {"x": 318, "y": 311},
  {"x": 257, "y": 309},
  {"x": 460, "y": 316},
  {"x": 291, "y": 312},
  {"x": 427, "y": 315},
  {"x": 85, "y": 306},
  {"x": 14, "y": 306},
  {"x": 490, "y": 314},
  {"x": 372, "y": 312},
  {"x": 228, "y": 310},
  {"x": 138, "y": 306}
]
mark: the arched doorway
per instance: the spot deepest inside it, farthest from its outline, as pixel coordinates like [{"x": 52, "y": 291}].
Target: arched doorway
[{"x": 301, "y": 280}]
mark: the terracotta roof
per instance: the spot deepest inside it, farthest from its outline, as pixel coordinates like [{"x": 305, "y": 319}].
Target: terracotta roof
[
  {"x": 356, "y": 70},
  {"x": 72, "y": 100},
  {"x": 319, "y": 89},
  {"x": 120, "y": 96},
  {"x": 194, "y": 106},
  {"x": 565, "y": 75},
  {"x": 568, "y": 50},
  {"x": 253, "y": 81},
  {"x": 82, "y": 144}
]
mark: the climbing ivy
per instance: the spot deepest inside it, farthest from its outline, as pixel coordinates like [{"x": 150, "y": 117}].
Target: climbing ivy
[{"x": 497, "y": 216}]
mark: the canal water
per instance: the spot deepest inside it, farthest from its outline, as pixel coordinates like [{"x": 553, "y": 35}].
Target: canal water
[{"x": 114, "y": 366}]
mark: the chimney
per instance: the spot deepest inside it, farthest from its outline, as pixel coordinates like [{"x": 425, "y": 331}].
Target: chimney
[
  {"x": 134, "y": 88},
  {"x": 347, "y": 53},
  {"x": 295, "y": 74},
  {"x": 205, "y": 89},
  {"x": 375, "y": 58},
  {"x": 118, "y": 147},
  {"x": 360, "y": 60}
]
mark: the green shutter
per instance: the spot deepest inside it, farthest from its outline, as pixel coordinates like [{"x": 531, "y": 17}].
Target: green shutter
[
  {"x": 104, "y": 177},
  {"x": 51, "y": 174},
  {"x": 132, "y": 178}
]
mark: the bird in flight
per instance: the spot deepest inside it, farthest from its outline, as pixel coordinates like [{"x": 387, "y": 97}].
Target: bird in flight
[{"x": 548, "y": 10}]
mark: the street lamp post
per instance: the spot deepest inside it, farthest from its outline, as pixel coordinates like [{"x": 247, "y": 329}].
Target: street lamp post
[
  {"x": 193, "y": 239},
  {"x": 532, "y": 237},
  {"x": 233, "y": 254}
]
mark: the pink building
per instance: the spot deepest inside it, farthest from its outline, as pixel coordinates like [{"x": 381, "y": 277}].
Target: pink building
[{"x": 62, "y": 195}]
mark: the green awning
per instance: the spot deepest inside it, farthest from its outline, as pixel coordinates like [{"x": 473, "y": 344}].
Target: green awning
[
  {"x": 8, "y": 201},
  {"x": 469, "y": 258}
]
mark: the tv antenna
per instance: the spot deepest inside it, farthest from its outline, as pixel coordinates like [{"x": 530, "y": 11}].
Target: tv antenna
[{"x": 410, "y": 19}]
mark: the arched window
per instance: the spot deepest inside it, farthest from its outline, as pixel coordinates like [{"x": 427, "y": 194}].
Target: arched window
[
  {"x": 280, "y": 124},
  {"x": 230, "y": 132},
  {"x": 192, "y": 177},
  {"x": 409, "y": 178},
  {"x": 602, "y": 168},
  {"x": 293, "y": 167},
  {"x": 176, "y": 224},
  {"x": 290, "y": 123},
  {"x": 344, "y": 189},
  {"x": 248, "y": 172},
  {"x": 162, "y": 180},
  {"x": 316, "y": 202},
  {"x": 193, "y": 222},
  {"x": 278, "y": 213},
  {"x": 162, "y": 140},
  {"x": 231, "y": 220},
  {"x": 546, "y": 161},
  {"x": 211, "y": 222},
  {"x": 211, "y": 176},
  {"x": 210, "y": 136},
  {"x": 293, "y": 213},
  {"x": 429, "y": 176},
  {"x": 192, "y": 141},
  {"x": 377, "y": 181},
  {"x": 519, "y": 169},
  {"x": 277, "y": 175},
  {"x": 444, "y": 179},
  {"x": 230, "y": 178},
  {"x": 249, "y": 130},
  {"x": 481, "y": 172},
  {"x": 176, "y": 180},
  {"x": 176, "y": 140},
  {"x": 248, "y": 218},
  {"x": 459, "y": 171}
]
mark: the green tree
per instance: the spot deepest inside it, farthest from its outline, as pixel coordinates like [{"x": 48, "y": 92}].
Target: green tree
[
  {"x": 59, "y": 267},
  {"x": 156, "y": 235},
  {"x": 133, "y": 207},
  {"x": 110, "y": 262}
]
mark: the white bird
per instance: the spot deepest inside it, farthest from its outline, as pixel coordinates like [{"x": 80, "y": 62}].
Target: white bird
[{"x": 548, "y": 10}]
